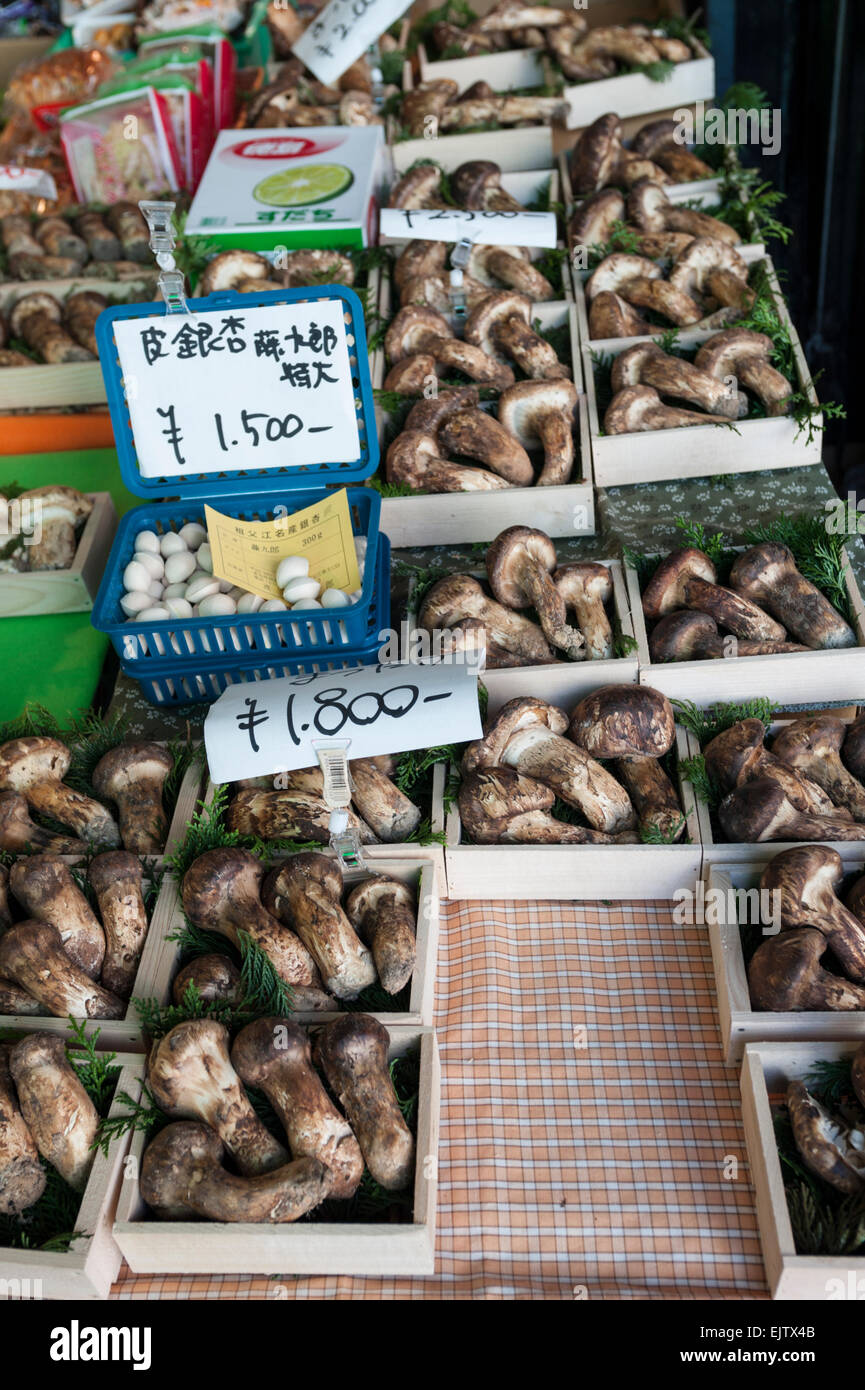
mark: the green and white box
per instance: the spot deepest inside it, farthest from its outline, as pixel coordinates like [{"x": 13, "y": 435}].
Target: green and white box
[{"x": 316, "y": 186}]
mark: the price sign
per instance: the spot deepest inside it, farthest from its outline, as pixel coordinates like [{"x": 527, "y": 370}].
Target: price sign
[
  {"x": 342, "y": 32},
  {"x": 36, "y": 183},
  {"x": 265, "y": 727},
  {"x": 485, "y": 228},
  {"x": 265, "y": 387}
]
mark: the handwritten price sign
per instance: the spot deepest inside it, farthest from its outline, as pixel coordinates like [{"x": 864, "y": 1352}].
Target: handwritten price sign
[
  {"x": 484, "y": 228},
  {"x": 342, "y": 32},
  {"x": 264, "y": 387},
  {"x": 35, "y": 182},
  {"x": 267, "y": 727}
]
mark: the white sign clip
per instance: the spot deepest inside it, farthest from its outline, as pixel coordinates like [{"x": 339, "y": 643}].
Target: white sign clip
[{"x": 333, "y": 760}]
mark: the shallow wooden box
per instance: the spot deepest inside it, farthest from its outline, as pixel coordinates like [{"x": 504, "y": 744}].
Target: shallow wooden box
[
  {"x": 634, "y": 94},
  {"x": 715, "y": 851},
  {"x": 88, "y": 1269},
  {"x": 511, "y": 68},
  {"x": 788, "y": 678},
  {"x": 455, "y": 518},
  {"x": 766, "y": 1070},
  {"x": 696, "y": 451},
  {"x": 582, "y": 676},
  {"x": 418, "y": 873},
  {"x": 31, "y": 593},
  {"x": 740, "y": 1023},
  {"x": 574, "y": 872},
  {"x": 517, "y": 147},
  {"x": 302, "y": 1247},
  {"x": 63, "y": 383}
]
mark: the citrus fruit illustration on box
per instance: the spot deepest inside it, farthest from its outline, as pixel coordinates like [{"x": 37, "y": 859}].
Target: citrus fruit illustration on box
[{"x": 299, "y": 188}]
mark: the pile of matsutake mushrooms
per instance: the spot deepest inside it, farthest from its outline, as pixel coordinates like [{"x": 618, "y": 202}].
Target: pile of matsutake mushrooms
[
  {"x": 817, "y": 958},
  {"x": 604, "y": 761},
  {"x": 130, "y": 777},
  {"x": 54, "y": 518},
  {"x": 246, "y": 272},
  {"x": 478, "y": 105},
  {"x": 110, "y": 245},
  {"x": 661, "y": 228},
  {"x": 583, "y": 54},
  {"x": 808, "y": 785},
  {"x": 45, "y": 1114},
  {"x": 523, "y": 572},
  {"x": 324, "y": 944},
  {"x": 600, "y": 159},
  {"x": 766, "y": 603},
  {"x": 63, "y": 958},
  {"x": 422, "y": 276},
  {"x": 55, "y": 331},
  {"x": 332, "y": 1094},
  {"x": 832, "y": 1143},
  {"x": 296, "y": 98},
  {"x": 643, "y": 376},
  {"x": 292, "y": 805},
  {"x": 706, "y": 287}
]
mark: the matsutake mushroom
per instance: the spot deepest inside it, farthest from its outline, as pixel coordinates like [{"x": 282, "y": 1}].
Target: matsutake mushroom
[
  {"x": 418, "y": 330},
  {"x": 785, "y": 976},
  {"x": 527, "y": 735},
  {"x": 384, "y": 912},
  {"x": 739, "y": 755},
  {"x": 640, "y": 408},
  {"x": 45, "y": 888},
  {"x": 611, "y": 316},
  {"x": 635, "y": 726},
  {"x": 688, "y": 579},
  {"x": 519, "y": 564},
  {"x": 595, "y": 220},
  {"x": 414, "y": 459},
  {"x": 475, "y": 434},
  {"x": 190, "y": 1077},
  {"x": 500, "y": 326},
  {"x": 805, "y": 878},
  {"x": 213, "y": 977},
  {"x": 388, "y": 811},
  {"x": 812, "y": 747},
  {"x": 500, "y": 806},
  {"x": 595, "y": 155},
  {"x": 353, "y": 1053},
  {"x": 649, "y": 208},
  {"x": 645, "y": 364},
  {"x": 315, "y": 266},
  {"x": 587, "y": 588},
  {"x": 288, "y": 815},
  {"x": 274, "y": 1055},
  {"x": 132, "y": 776},
  {"x": 419, "y": 187},
  {"x": 182, "y": 1176},
  {"x": 20, "y": 835},
  {"x": 693, "y": 636},
  {"x": 853, "y": 747},
  {"x": 35, "y": 767},
  {"x": 761, "y": 810},
  {"x": 304, "y": 893},
  {"x": 221, "y": 892},
  {"x": 490, "y": 266},
  {"x": 32, "y": 954},
  {"x": 767, "y": 574},
  {"x": 477, "y": 186},
  {"x": 460, "y": 596},
  {"x": 115, "y": 878},
  {"x": 61, "y": 512},
  {"x": 540, "y": 414},
  {"x": 22, "y": 1177},
  {"x": 56, "y": 1108},
  {"x": 744, "y": 354},
  {"x": 36, "y": 320},
  {"x": 836, "y": 1154}
]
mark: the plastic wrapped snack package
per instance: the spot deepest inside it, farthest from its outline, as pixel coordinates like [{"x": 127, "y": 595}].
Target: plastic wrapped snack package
[
  {"x": 190, "y": 120},
  {"x": 46, "y": 87},
  {"x": 198, "y": 71},
  {"x": 121, "y": 147},
  {"x": 208, "y": 42},
  {"x": 163, "y": 15}
]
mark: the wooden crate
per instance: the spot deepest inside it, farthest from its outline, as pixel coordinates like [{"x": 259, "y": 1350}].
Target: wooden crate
[
  {"x": 35, "y": 592},
  {"x": 730, "y": 852},
  {"x": 455, "y": 518},
  {"x": 64, "y": 383},
  {"x": 211, "y": 1247},
  {"x": 700, "y": 451},
  {"x": 789, "y": 678},
  {"x": 583, "y": 676},
  {"x": 740, "y": 1023},
  {"x": 519, "y": 147},
  {"x": 419, "y": 873},
  {"x": 634, "y": 94},
  {"x": 90, "y": 1266},
  {"x": 504, "y": 71},
  {"x": 575, "y": 872},
  {"x": 767, "y": 1069}
]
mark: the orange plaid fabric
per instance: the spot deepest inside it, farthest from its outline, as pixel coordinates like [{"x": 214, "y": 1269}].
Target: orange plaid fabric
[{"x": 591, "y": 1139}]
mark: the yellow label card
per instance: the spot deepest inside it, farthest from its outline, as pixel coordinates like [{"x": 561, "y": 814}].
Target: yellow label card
[{"x": 247, "y": 553}]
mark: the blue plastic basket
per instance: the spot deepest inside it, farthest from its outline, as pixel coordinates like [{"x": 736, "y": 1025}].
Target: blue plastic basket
[
  {"x": 169, "y": 682},
  {"x": 252, "y": 635}
]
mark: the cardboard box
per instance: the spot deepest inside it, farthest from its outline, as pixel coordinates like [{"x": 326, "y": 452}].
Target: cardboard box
[{"x": 316, "y": 186}]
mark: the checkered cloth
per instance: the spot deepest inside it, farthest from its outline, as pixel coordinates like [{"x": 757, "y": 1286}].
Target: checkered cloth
[{"x": 587, "y": 1119}]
